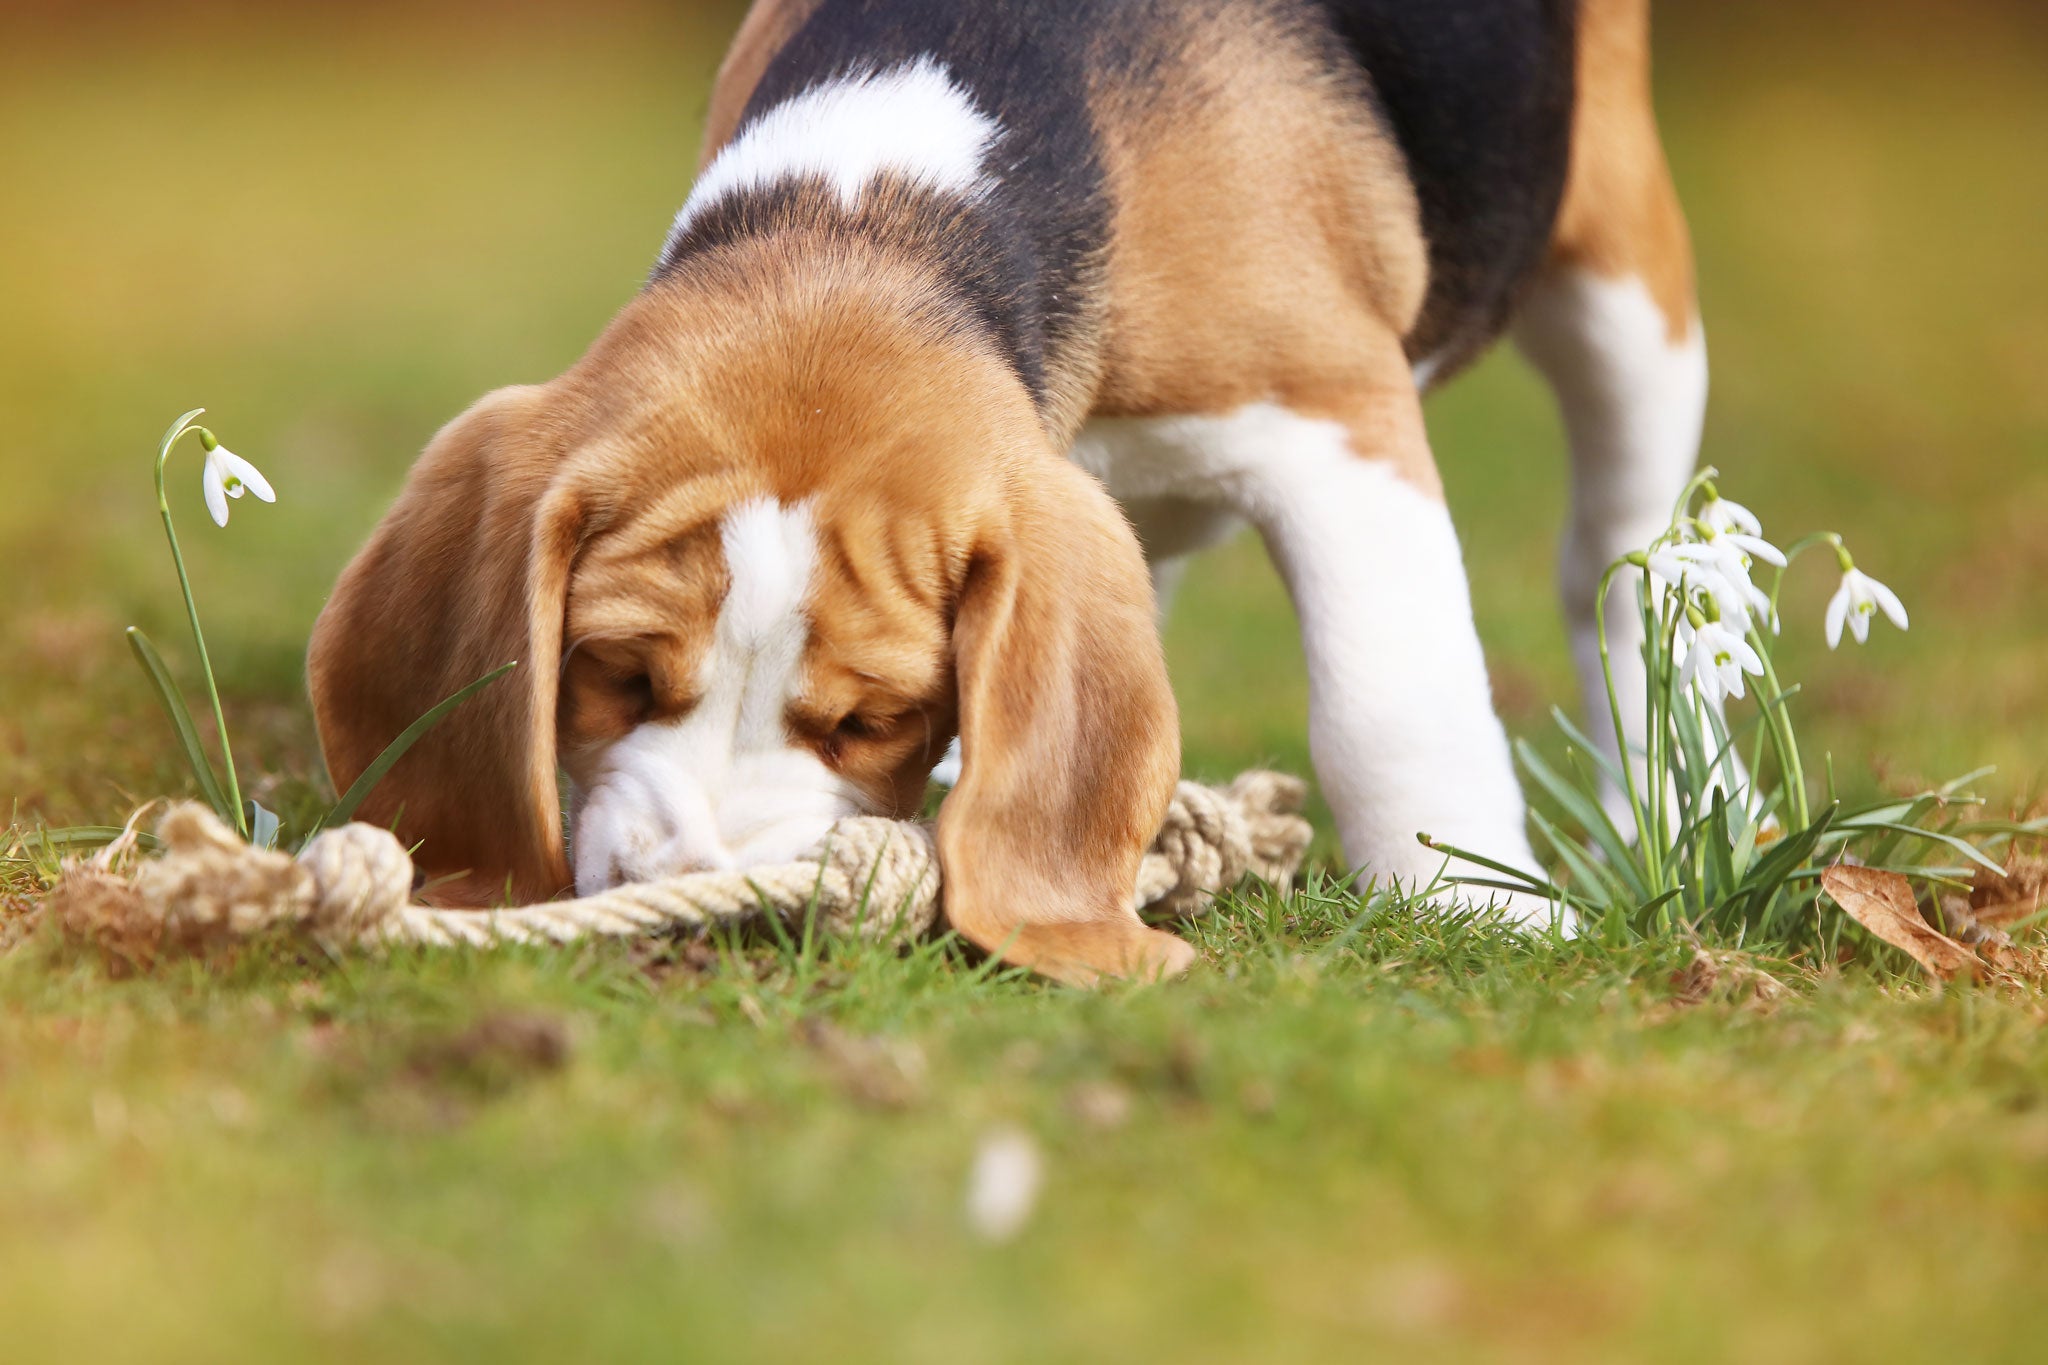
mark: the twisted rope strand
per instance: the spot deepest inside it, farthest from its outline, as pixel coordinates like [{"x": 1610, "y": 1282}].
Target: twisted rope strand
[{"x": 872, "y": 877}]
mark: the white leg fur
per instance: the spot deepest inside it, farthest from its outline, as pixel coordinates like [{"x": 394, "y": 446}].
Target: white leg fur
[
  {"x": 1401, "y": 721},
  {"x": 1633, "y": 403}
]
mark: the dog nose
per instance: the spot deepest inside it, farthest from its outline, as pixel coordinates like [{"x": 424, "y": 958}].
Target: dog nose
[
  {"x": 698, "y": 860},
  {"x": 673, "y": 857}
]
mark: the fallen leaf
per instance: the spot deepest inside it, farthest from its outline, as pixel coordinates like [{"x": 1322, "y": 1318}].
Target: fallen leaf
[
  {"x": 1883, "y": 903},
  {"x": 1728, "y": 975},
  {"x": 2020, "y": 894}
]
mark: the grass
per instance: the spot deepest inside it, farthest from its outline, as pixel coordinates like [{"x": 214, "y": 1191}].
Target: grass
[{"x": 1352, "y": 1132}]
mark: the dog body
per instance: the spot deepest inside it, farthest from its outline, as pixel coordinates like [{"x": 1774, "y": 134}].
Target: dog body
[{"x": 838, "y": 484}]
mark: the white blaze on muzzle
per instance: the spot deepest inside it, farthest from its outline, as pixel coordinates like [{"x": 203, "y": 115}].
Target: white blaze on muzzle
[{"x": 723, "y": 786}]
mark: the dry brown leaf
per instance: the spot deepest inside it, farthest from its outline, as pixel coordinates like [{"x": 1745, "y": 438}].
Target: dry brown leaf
[
  {"x": 2020, "y": 893},
  {"x": 1729, "y": 975},
  {"x": 1883, "y": 903}
]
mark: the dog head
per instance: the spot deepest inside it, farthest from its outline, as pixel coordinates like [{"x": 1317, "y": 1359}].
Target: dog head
[{"x": 760, "y": 555}]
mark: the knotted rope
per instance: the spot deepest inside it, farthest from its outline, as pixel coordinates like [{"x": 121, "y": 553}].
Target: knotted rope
[{"x": 353, "y": 885}]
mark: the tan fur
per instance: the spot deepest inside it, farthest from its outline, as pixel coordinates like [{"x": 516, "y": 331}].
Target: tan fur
[
  {"x": 582, "y": 515},
  {"x": 970, "y": 578},
  {"x": 1621, "y": 216},
  {"x": 1305, "y": 299},
  {"x": 466, "y": 572}
]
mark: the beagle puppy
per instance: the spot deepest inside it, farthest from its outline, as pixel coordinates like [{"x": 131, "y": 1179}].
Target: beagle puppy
[{"x": 979, "y": 320}]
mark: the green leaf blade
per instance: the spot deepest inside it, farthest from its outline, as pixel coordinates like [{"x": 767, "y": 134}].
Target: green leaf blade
[
  {"x": 366, "y": 782},
  {"x": 181, "y": 721}
]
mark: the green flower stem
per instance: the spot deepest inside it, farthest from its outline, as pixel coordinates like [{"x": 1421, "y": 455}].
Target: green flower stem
[
  {"x": 220, "y": 724},
  {"x": 1628, "y": 767},
  {"x": 1778, "y": 722},
  {"x": 1663, "y": 697}
]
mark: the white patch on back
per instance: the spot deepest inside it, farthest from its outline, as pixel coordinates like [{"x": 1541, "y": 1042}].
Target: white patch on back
[
  {"x": 910, "y": 121},
  {"x": 723, "y": 786}
]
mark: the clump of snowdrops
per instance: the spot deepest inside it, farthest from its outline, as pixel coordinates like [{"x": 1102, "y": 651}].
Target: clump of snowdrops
[{"x": 1716, "y": 825}]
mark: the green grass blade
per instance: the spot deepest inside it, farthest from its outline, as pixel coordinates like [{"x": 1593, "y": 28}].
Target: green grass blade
[
  {"x": 1579, "y": 737},
  {"x": 181, "y": 721},
  {"x": 1962, "y": 846},
  {"x": 1585, "y": 869},
  {"x": 1590, "y": 817},
  {"x": 1524, "y": 881},
  {"x": 343, "y": 809},
  {"x": 1719, "y": 842},
  {"x": 76, "y": 838}
]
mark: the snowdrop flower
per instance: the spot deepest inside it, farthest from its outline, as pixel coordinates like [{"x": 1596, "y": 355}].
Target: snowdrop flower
[
  {"x": 1715, "y": 658},
  {"x": 228, "y": 475},
  {"x": 1731, "y": 553},
  {"x": 1745, "y": 546},
  {"x": 1716, "y": 569},
  {"x": 1002, "y": 1189},
  {"x": 1719, "y": 514},
  {"x": 1857, "y": 600}
]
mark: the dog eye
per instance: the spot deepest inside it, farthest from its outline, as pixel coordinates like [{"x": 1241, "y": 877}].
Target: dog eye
[
  {"x": 854, "y": 725},
  {"x": 637, "y": 688}
]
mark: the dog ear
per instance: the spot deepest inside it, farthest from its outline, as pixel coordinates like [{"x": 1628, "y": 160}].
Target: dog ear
[
  {"x": 467, "y": 571},
  {"x": 1069, "y": 738}
]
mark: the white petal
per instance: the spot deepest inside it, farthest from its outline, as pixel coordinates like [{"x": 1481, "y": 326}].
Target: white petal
[
  {"x": 1758, "y": 548},
  {"x": 1889, "y": 601},
  {"x": 1838, "y": 607},
  {"x": 247, "y": 473},
  {"x": 1745, "y": 657},
  {"x": 1666, "y": 564},
  {"x": 1706, "y": 681},
  {"x": 216, "y": 495},
  {"x": 1859, "y": 623},
  {"x": 1738, "y": 517}
]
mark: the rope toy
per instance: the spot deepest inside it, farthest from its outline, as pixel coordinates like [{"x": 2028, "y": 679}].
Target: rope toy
[{"x": 871, "y": 877}]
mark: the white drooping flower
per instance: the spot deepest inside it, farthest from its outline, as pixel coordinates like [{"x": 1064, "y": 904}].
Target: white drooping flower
[
  {"x": 1733, "y": 552},
  {"x": 1721, "y": 514},
  {"x": 1717, "y": 569},
  {"x": 1712, "y": 660},
  {"x": 1858, "y": 599},
  {"x": 228, "y": 475},
  {"x": 1002, "y": 1189}
]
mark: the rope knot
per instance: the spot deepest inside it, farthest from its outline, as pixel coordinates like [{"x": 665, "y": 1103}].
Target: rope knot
[
  {"x": 361, "y": 879},
  {"x": 1212, "y": 837},
  {"x": 889, "y": 871}
]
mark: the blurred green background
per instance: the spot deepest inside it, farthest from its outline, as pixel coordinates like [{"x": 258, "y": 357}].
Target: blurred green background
[{"x": 336, "y": 225}]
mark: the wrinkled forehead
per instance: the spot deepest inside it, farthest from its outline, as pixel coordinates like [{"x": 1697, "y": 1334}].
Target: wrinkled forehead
[{"x": 863, "y": 593}]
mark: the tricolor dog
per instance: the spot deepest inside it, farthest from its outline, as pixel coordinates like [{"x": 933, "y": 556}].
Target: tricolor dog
[{"x": 980, "y": 319}]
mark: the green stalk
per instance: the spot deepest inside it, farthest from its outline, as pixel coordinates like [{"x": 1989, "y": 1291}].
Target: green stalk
[
  {"x": 220, "y": 724},
  {"x": 1662, "y": 699},
  {"x": 1628, "y": 767},
  {"x": 1778, "y": 723},
  {"x": 1778, "y": 718}
]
